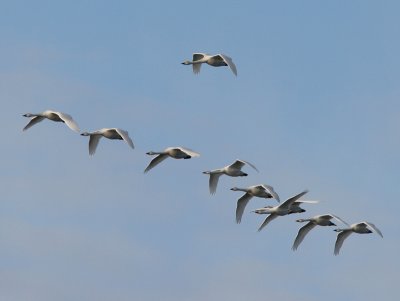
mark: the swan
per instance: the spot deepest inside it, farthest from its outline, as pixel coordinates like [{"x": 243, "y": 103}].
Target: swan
[
  {"x": 291, "y": 205},
  {"x": 110, "y": 133},
  {"x": 261, "y": 191},
  {"x": 217, "y": 60},
  {"x": 173, "y": 152},
  {"x": 319, "y": 220},
  {"x": 51, "y": 115},
  {"x": 360, "y": 228},
  {"x": 233, "y": 170}
]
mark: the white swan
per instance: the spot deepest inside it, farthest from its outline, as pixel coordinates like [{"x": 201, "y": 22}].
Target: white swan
[
  {"x": 110, "y": 133},
  {"x": 261, "y": 191},
  {"x": 233, "y": 170},
  {"x": 51, "y": 115},
  {"x": 291, "y": 205},
  {"x": 360, "y": 228},
  {"x": 173, "y": 152},
  {"x": 319, "y": 220},
  {"x": 217, "y": 60}
]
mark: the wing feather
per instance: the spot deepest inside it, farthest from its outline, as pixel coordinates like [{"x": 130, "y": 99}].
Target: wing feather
[
  {"x": 241, "y": 205},
  {"x": 229, "y": 62},
  {"x": 68, "y": 121},
  {"x": 272, "y": 192},
  {"x": 157, "y": 160},
  {"x": 33, "y": 121},
  {"x": 340, "y": 239},
  {"x": 93, "y": 142},
  {"x": 289, "y": 202},
  {"x": 374, "y": 228},
  {"x": 301, "y": 234},
  {"x": 125, "y": 135},
  {"x": 213, "y": 182},
  {"x": 267, "y": 221}
]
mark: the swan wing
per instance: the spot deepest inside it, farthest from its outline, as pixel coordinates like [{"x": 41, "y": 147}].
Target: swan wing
[
  {"x": 125, "y": 135},
  {"x": 93, "y": 142},
  {"x": 157, "y": 160},
  {"x": 238, "y": 164},
  {"x": 340, "y": 239},
  {"x": 338, "y": 219},
  {"x": 213, "y": 182},
  {"x": 271, "y": 190},
  {"x": 289, "y": 202},
  {"x": 188, "y": 151},
  {"x": 374, "y": 228},
  {"x": 229, "y": 62},
  {"x": 33, "y": 121},
  {"x": 241, "y": 205},
  {"x": 267, "y": 221},
  {"x": 198, "y": 56},
  {"x": 301, "y": 234},
  {"x": 68, "y": 121}
]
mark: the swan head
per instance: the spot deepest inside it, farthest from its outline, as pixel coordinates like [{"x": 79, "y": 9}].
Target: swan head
[
  {"x": 338, "y": 230},
  {"x": 206, "y": 172},
  {"x": 301, "y": 220},
  {"x": 85, "y": 134},
  {"x": 151, "y": 153},
  {"x": 186, "y": 63},
  {"x": 234, "y": 189},
  {"x": 28, "y": 115}
]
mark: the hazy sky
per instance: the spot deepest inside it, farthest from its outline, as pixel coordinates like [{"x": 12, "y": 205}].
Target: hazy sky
[{"x": 315, "y": 105}]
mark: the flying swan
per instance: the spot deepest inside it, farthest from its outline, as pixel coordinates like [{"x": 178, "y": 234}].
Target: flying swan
[
  {"x": 110, "y": 133},
  {"x": 53, "y": 116},
  {"x": 319, "y": 220},
  {"x": 217, "y": 60},
  {"x": 173, "y": 152},
  {"x": 261, "y": 191},
  {"x": 360, "y": 228},
  {"x": 233, "y": 170}
]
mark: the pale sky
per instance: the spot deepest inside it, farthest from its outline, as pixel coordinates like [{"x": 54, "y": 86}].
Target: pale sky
[{"x": 315, "y": 106}]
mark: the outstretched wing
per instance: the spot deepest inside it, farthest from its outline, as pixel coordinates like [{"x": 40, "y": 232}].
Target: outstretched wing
[
  {"x": 213, "y": 182},
  {"x": 240, "y": 163},
  {"x": 289, "y": 202},
  {"x": 338, "y": 218},
  {"x": 188, "y": 151},
  {"x": 271, "y": 190},
  {"x": 229, "y": 62},
  {"x": 68, "y": 121},
  {"x": 93, "y": 142},
  {"x": 198, "y": 56},
  {"x": 267, "y": 221},
  {"x": 374, "y": 228},
  {"x": 157, "y": 160},
  {"x": 340, "y": 239},
  {"x": 125, "y": 136},
  {"x": 301, "y": 234},
  {"x": 196, "y": 67},
  {"x": 241, "y": 205},
  {"x": 33, "y": 121}
]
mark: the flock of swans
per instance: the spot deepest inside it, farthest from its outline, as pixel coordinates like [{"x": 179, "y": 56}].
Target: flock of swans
[{"x": 290, "y": 206}]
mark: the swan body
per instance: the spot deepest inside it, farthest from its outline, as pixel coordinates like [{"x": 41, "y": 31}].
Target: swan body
[
  {"x": 173, "y": 152},
  {"x": 261, "y": 191},
  {"x": 360, "y": 228},
  {"x": 217, "y": 60},
  {"x": 233, "y": 170},
  {"x": 53, "y": 116},
  {"x": 319, "y": 220},
  {"x": 110, "y": 133},
  {"x": 290, "y": 206}
]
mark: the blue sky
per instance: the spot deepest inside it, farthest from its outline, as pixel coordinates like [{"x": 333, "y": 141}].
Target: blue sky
[{"x": 315, "y": 105}]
